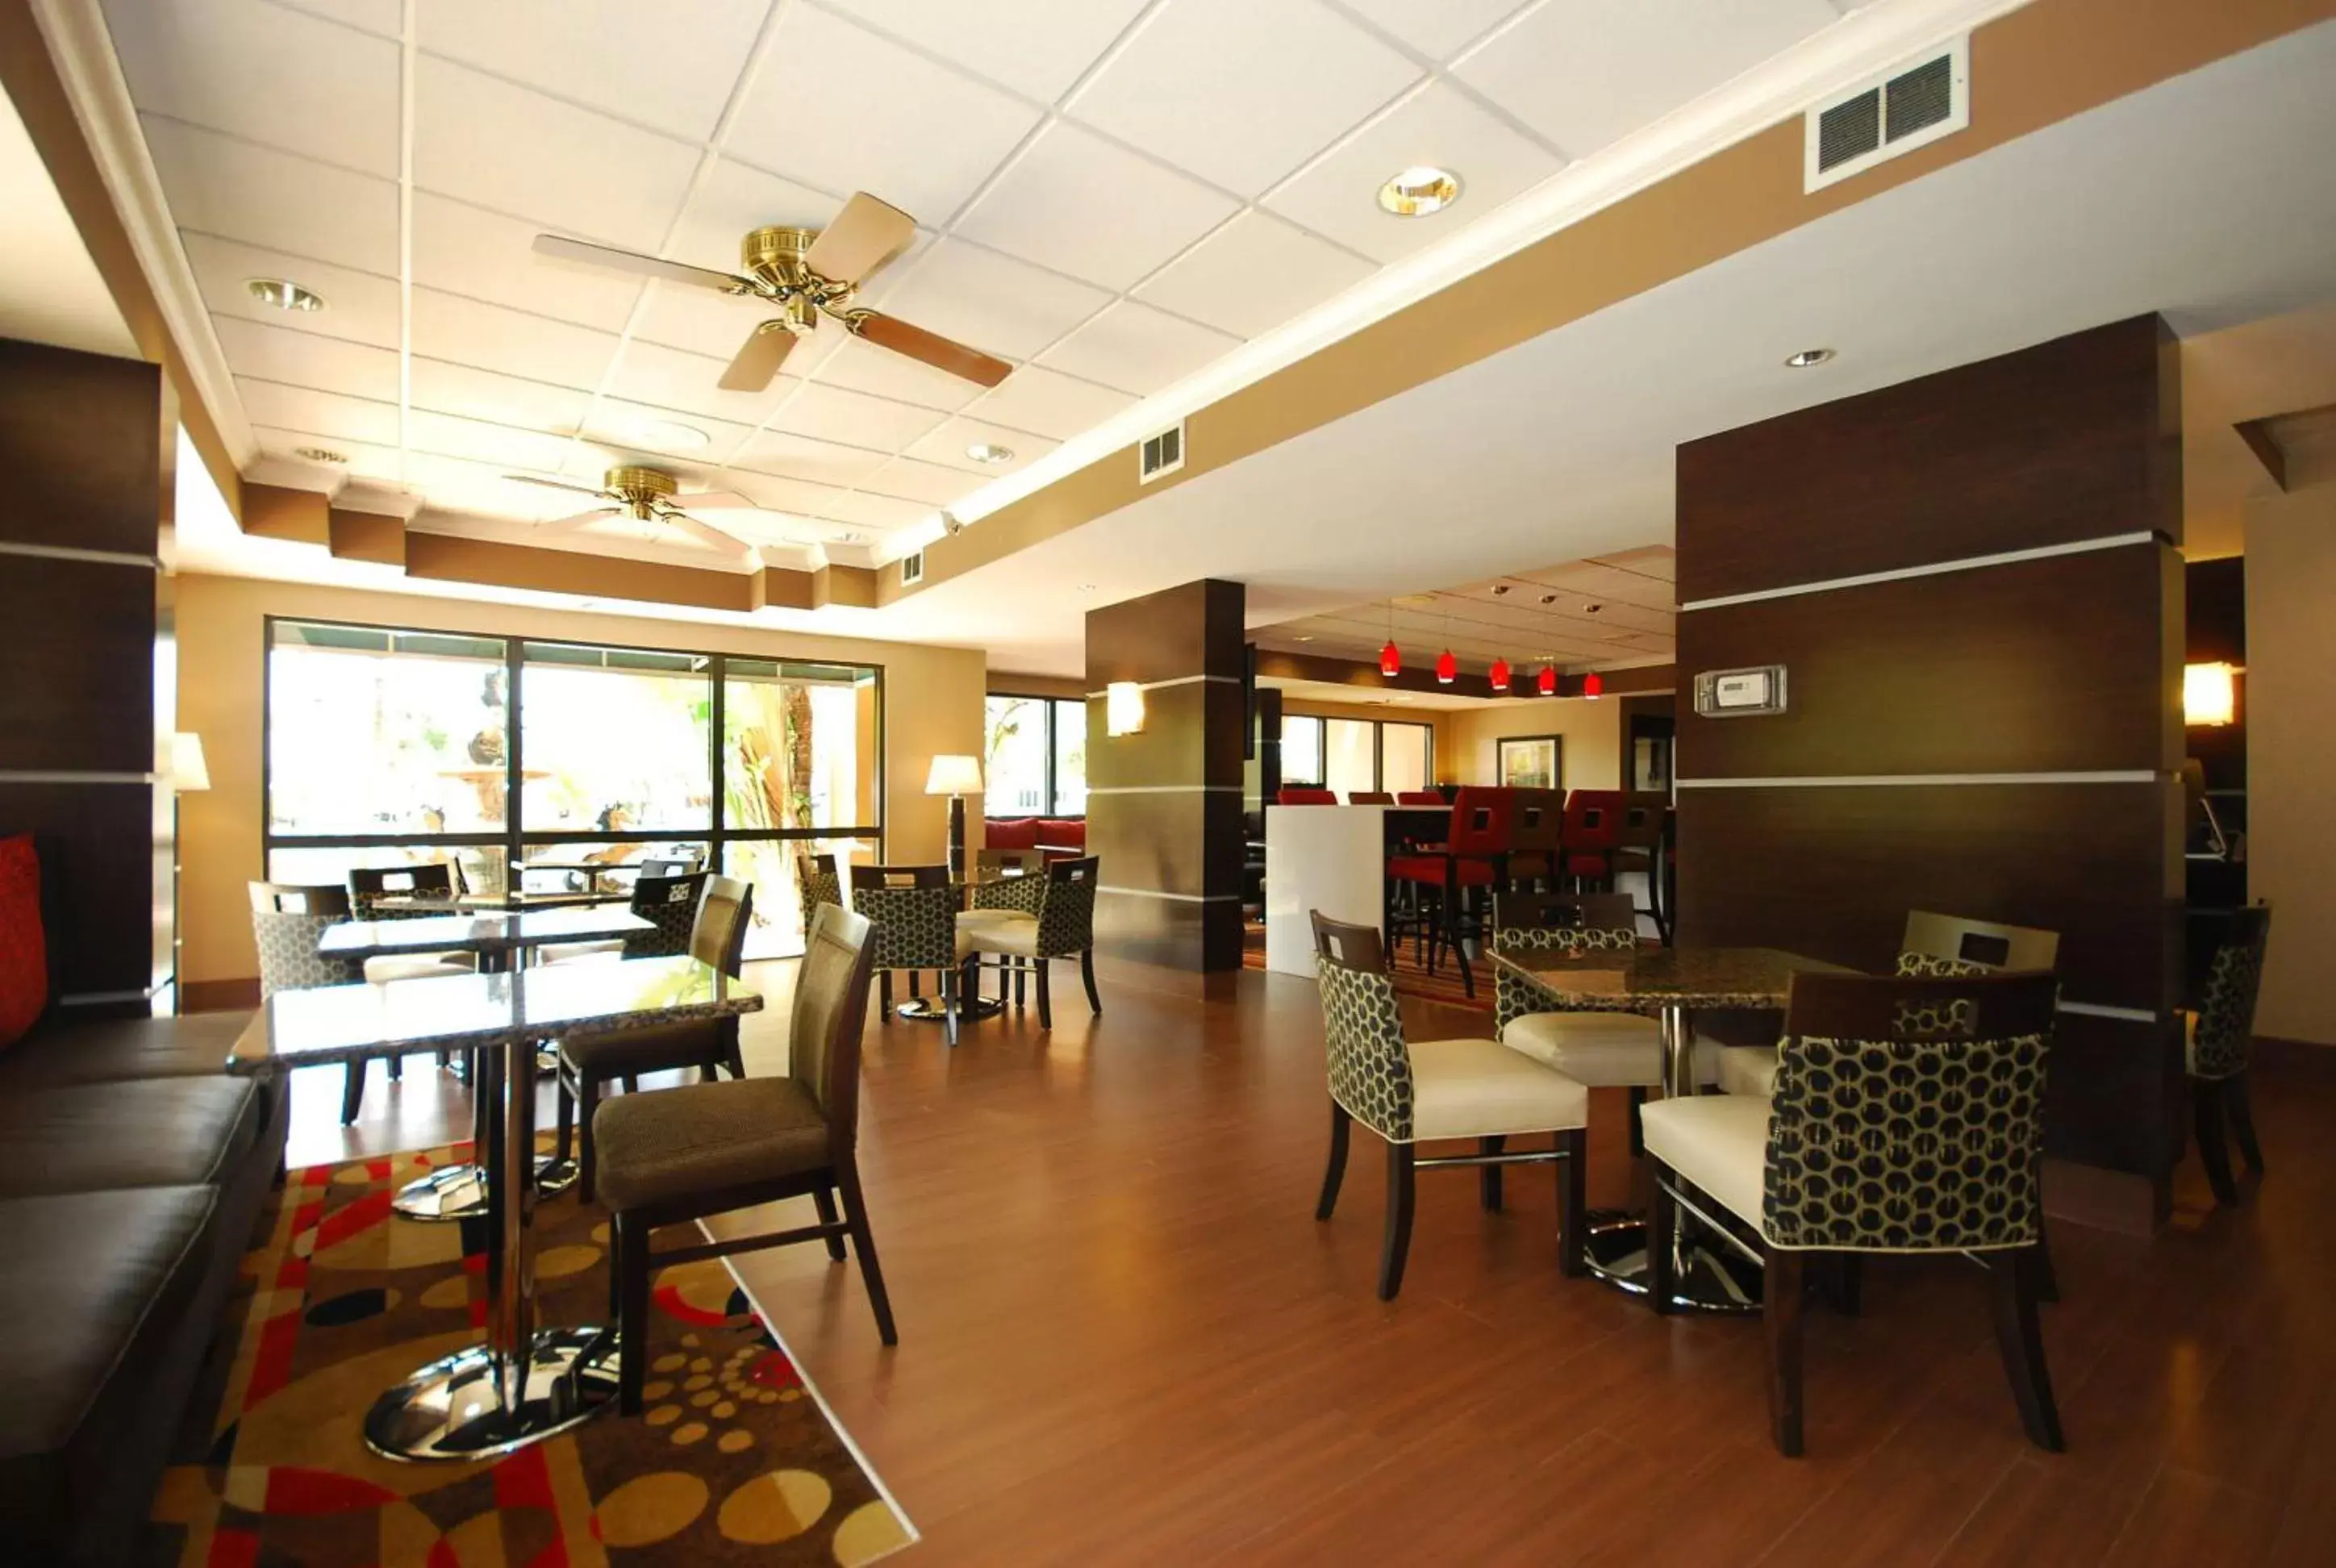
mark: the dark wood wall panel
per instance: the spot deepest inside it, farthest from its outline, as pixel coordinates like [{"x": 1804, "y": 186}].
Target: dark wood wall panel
[
  {"x": 2074, "y": 439},
  {"x": 1189, "y": 629},
  {"x": 1170, "y": 932},
  {"x": 79, "y": 443},
  {"x": 2041, "y": 667},
  {"x": 96, "y": 844},
  {"x": 1150, "y": 841},
  {"x": 77, "y": 664}
]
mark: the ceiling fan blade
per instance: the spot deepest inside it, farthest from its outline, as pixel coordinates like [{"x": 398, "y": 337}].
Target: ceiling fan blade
[
  {"x": 759, "y": 358},
  {"x": 865, "y": 235},
  {"x": 706, "y": 532},
  {"x": 561, "y": 249},
  {"x": 570, "y": 525},
  {"x": 890, "y": 332},
  {"x": 554, "y": 484},
  {"x": 719, "y": 501}
]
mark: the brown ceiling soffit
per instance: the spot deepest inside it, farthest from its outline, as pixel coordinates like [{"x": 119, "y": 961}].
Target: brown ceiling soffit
[
  {"x": 1276, "y": 666},
  {"x": 39, "y": 94},
  {"x": 367, "y": 536},
  {"x": 2034, "y": 67}
]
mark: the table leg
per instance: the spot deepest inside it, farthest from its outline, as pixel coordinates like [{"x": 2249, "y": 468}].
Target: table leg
[{"x": 460, "y": 1191}]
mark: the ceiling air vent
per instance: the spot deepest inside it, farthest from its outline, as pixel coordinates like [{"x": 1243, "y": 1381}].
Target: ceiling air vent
[
  {"x": 912, "y": 569},
  {"x": 1897, "y": 111},
  {"x": 1161, "y": 454}
]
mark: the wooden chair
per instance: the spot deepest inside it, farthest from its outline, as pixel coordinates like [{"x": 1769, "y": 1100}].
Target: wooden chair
[
  {"x": 1062, "y": 927},
  {"x": 681, "y": 1156},
  {"x": 819, "y": 879},
  {"x": 1909, "y": 1118},
  {"x": 1370, "y": 798},
  {"x": 587, "y": 1062},
  {"x": 2219, "y": 1038},
  {"x": 1536, "y": 840},
  {"x": 1593, "y": 823},
  {"x": 1410, "y": 1092},
  {"x": 287, "y": 923},
  {"x": 1296, "y": 795},
  {"x": 668, "y": 903},
  {"x": 370, "y": 885},
  {"x": 1642, "y": 844},
  {"x": 914, "y": 912},
  {"x": 1473, "y": 860}
]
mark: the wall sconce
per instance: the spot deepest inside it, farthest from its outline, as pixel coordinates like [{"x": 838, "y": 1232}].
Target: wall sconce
[
  {"x": 189, "y": 770},
  {"x": 1123, "y": 708},
  {"x": 2209, "y": 695}
]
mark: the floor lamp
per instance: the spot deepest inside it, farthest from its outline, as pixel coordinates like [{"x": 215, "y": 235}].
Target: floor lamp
[{"x": 956, "y": 777}]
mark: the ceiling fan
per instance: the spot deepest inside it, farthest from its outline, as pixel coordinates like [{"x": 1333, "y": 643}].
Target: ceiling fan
[
  {"x": 807, "y": 273},
  {"x": 646, "y": 495}
]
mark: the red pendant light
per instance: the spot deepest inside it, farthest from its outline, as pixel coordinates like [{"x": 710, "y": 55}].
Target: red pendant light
[
  {"x": 1547, "y": 681},
  {"x": 1448, "y": 668},
  {"x": 1592, "y": 683},
  {"x": 1500, "y": 674},
  {"x": 1390, "y": 660}
]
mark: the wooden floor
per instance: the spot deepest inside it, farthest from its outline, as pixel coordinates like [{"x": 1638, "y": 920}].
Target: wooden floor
[{"x": 1124, "y": 1338}]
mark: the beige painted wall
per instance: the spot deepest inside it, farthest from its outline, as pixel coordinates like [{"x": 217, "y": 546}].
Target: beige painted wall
[
  {"x": 933, "y": 703},
  {"x": 2292, "y": 754},
  {"x": 1592, "y": 728}
]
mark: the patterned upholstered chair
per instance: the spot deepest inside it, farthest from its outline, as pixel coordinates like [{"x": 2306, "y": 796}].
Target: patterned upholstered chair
[
  {"x": 819, "y": 879},
  {"x": 1062, "y": 927},
  {"x": 668, "y": 903},
  {"x": 1908, "y": 1118},
  {"x": 914, "y": 912},
  {"x": 704, "y": 1149},
  {"x": 588, "y": 1063},
  {"x": 2219, "y": 1038},
  {"x": 1409, "y": 1093},
  {"x": 287, "y": 923},
  {"x": 372, "y": 895}
]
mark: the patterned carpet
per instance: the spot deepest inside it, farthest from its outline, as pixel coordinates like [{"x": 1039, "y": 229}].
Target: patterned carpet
[
  {"x": 735, "y": 1460},
  {"x": 1410, "y": 979}
]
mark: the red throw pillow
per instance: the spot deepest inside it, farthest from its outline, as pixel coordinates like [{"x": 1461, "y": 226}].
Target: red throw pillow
[{"x": 23, "y": 955}]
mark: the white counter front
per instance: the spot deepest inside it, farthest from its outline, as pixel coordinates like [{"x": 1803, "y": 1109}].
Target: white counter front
[{"x": 1327, "y": 858}]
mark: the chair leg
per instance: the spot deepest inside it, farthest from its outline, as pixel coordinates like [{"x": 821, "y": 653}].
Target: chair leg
[
  {"x": 2047, "y": 1278},
  {"x": 1452, "y": 935},
  {"x": 2206, "y": 1115},
  {"x": 1019, "y": 970},
  {"x": 1780, "y": 1314},
  {"x": 863, "y": 1241},
  {"x": 1844, "y": 1283},
  {"x": 884, "y": 995},
  {"x": 1046, "y": 1006},
  {"x": 1662, "y": 1250},
  {"x": 826, "y": 1202},
  {"x": 563, "y": 1119},
  {"x": 2243, "y": 1120},
  {"x": 2021, "y": 1339},
  {"x": 1334, "y": 1175},
  {"x": 352, "y": 1092},
  {"x": 1488, "y": 1177},
  {"x": 396, "y": 1069},
  {"x": 587, "y": 1100},
  {"x": 1638, "y": 1127},
  {"x": 1094, "y": 1005},
  {"x": 949, "y": 1008},
  {"x": 1573, "y": 1203},
  {"x": 632, "y": 1311},
  {"x": 1397, "y": 1245}
]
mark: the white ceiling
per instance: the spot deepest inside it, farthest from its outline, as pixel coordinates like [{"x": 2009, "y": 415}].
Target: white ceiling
[
  {"x": 1114, "y": 194},
  {"x": 50, "y": 290}
]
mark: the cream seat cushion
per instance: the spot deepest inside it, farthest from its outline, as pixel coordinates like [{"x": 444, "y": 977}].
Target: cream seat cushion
[
  {"x": 1749, "y": 1070},
  {"x": 1005, "y": 932},
  {"x": 575, "y": 952},
  {"x": 1482, "y": 1090},
  {"x": 1603, "y": 1050},
  {"x": 417, "y": 967},
  {"x": 1718, "y": 1142},
  {"x": 993, "y": 919}
]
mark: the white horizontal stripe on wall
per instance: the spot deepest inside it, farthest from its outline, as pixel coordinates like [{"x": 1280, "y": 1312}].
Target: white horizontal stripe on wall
[
  {"x": 1167, "y": 790},
  {"x": 1935, "y": 569},
  {"x": 1180, "y": 680},
  {"x": 34, "y": 776},
  {"x": 1889, "y": 780},
  {"x": 1171, "y": 898}
]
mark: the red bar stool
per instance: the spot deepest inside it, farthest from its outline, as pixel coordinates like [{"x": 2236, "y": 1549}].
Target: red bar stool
[
  {"x": 1306, "y": 797},
  {"x": 1537, "y": 840},
  {"x": 1593, "y": 823},
  {"x": 1475, "y": 857},
  {"x": 1419, "y": 798}
]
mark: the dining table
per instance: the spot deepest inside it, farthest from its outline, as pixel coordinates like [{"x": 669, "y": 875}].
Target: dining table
[
  {"x": 521, "y": 1382},
  {"x": 501, "y": 939},
  {"x": 1671, "y": 984}
]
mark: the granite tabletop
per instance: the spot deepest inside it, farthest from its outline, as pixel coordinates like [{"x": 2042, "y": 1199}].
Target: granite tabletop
[
  {"x": 1652, "y": 979},
  {"x": 495, "y": 930}
]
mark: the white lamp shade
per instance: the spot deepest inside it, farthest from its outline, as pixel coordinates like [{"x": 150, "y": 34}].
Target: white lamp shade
[
  {"x": 2209, "y": 694},
  {"x": 953, "y": 775},
  {"x": 1123, "y": 708},
  {"x": 188, "y": 772}
]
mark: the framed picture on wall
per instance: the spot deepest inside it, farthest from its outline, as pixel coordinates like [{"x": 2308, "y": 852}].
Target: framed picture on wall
[{"x": 1533, "y": 761}]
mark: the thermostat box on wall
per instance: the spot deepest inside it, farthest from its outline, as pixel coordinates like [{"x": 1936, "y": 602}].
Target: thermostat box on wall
[{"x": 1740, "y": 693}]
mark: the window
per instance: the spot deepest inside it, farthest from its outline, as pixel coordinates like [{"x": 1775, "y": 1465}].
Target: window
[
  {"x": 1037, "y": 761},
  {"x": 1407, "y": 757},
  {"x": 1347, "y": 754},
  {"x": 1301, "y": 751},
  {"x": 1350, "y": 762},
  {"x": 388, "y": 747}
]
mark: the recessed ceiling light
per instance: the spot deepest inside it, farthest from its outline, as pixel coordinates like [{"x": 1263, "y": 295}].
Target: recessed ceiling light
[
  {"x": 1808, "y": 356},
  {"x": 1305, "y": 639},
  {"x": 319, "y": 454},
  {"x": 1419, "y": 190},
  {"x": 284, "y": 294},
  {"x": 1087, "y": 587},
  {"x": 989, "y": 452}
]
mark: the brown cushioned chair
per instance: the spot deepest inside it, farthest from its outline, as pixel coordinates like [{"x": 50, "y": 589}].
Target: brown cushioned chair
[{"x": 674, "y": 1157}]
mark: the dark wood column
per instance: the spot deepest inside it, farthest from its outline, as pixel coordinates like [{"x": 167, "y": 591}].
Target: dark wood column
[
  {"x": 1984, "y": 722},
  {"x": 87, "y": 664},
  {"x": 1164, "y": 805}
]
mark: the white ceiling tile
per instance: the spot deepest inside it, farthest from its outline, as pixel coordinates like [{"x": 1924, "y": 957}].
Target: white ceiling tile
[
  {"x": 864, "y": 509},
  {"x": 465, "y": 484},
  {"x": 302, "y": 408},
  {"x": 264, "y": 74},
  {"x": 864, "y": 367},
  {"x": 698, "y": 320},
  {"x": 991, "y": 302},
  {"x": 669, "y": 378},
  {"x": 774, "y": 451},
  {"x": 664, "y": 431},
  {"x": 449, "y": 326},
  {"x": 734, "y": 202},
  {"x": 1049, "y": 403},
  {"x": 359, "y": 307},
  {"x": 241, "y": 191},
  {"x": 853, "y": 418},
  {"x": 550, "y": 162},
  {"x": 365, "y": 460},
  {"x": 1137, "y": 349},
  {"x": 1082, "y": 205},
  {"x": 1252, "y": 275},
  {"x": 1037, "y": 47},
  {"x": 946, "y": 444},
  {"x": 445, "y": 388},
  {"x": 1241, "y": 94},
  {"x": 1436, "y": 28},
  {"x": 1583, "y": 73},
  {"x": 1441, "y": 127},
  {"x": 469, "y": 251},
  {"x": 782, "y": 495},
  {"x": 617, "y": 53},
  {"x": 448, "y": 435},
  {"x": 908, "y": 479},
  {"x": 307, "y": 359},
  {"x": 839, "y": 108}
]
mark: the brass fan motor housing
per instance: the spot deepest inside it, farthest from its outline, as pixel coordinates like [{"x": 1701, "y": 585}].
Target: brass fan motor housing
[
  {"x": 641, "y": 488},
  {"x": 776, "y": 252}
]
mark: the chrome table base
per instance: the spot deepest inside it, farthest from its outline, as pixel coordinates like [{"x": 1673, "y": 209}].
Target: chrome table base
[
  {"x": 460, "y": 1191},
  {"x": 927, "y": 1009},
  {"x": 1709, "y": 1277},
  {"x": 456, "y": 1408}
]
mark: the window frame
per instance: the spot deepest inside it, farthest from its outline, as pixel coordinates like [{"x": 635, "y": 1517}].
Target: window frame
[{"x": 1053, "y": 786}]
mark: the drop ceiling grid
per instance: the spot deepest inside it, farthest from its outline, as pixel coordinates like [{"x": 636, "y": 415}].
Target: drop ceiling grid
[{"x": 1409, "y": 43}]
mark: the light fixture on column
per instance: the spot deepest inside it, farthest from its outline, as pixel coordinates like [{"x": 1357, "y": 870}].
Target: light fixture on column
[
  {"x": 1123, "y": 708},
  {"x": 1499, "y": 675},
  {"x": 1592, "y": 684},
  {"x": 189, "y": 770},
  {"x": 2210, "y": 695},
  {"x": 957, "y": 778}
]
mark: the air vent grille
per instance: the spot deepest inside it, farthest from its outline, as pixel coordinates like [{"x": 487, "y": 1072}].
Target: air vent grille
[
  {"x": 1908, "y": 107},
  {"x": 912, "y": 569},
  {"x": 1161, "y": 454}
]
